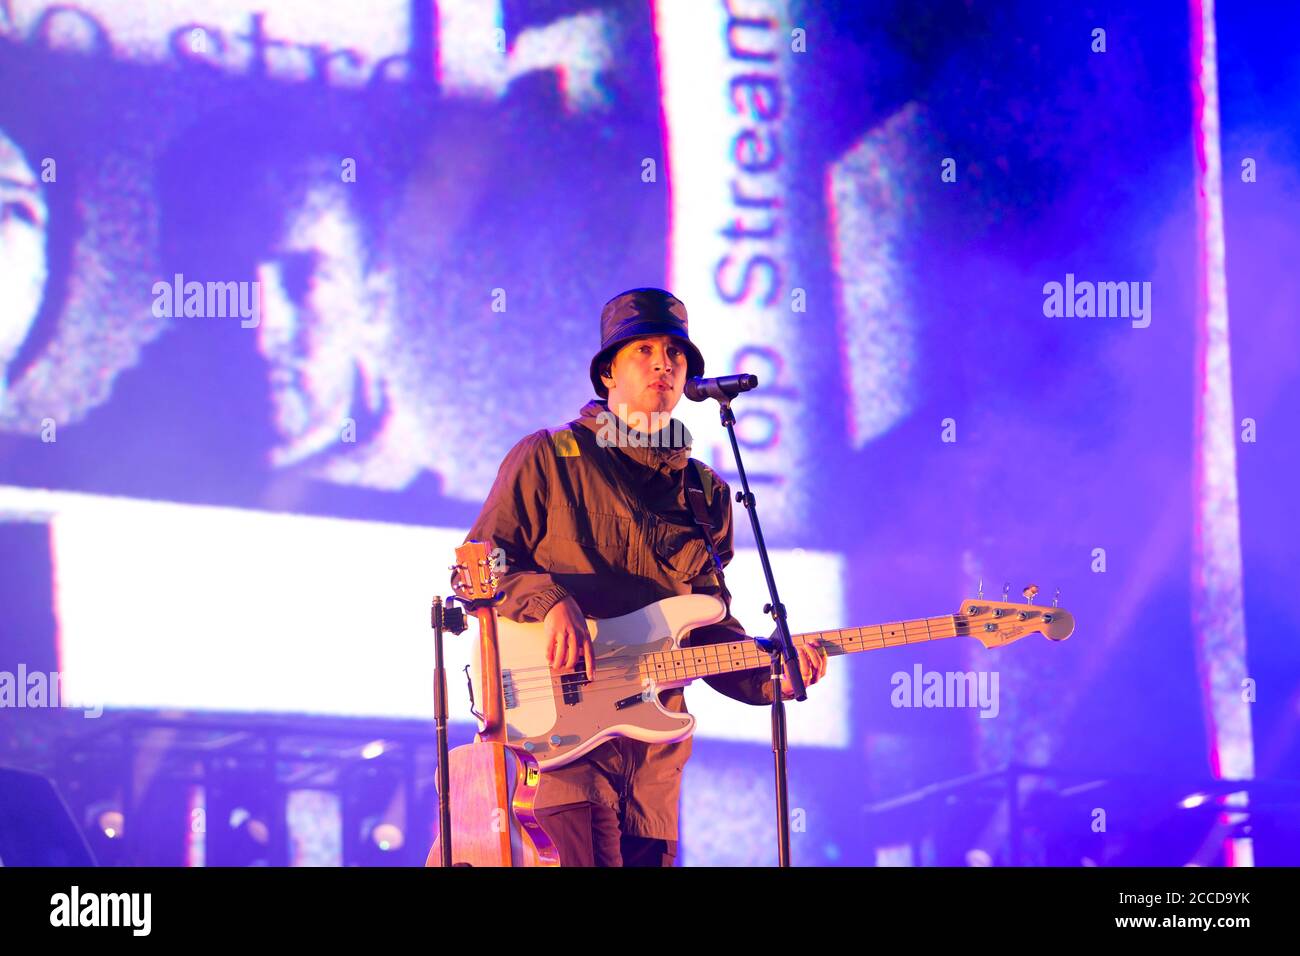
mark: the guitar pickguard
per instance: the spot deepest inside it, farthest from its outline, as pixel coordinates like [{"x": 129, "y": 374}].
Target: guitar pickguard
[{"x": 558, "y": 718}]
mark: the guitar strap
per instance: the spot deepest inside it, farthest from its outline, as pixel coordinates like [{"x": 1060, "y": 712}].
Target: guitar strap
[{"x": 699, "y": 488}]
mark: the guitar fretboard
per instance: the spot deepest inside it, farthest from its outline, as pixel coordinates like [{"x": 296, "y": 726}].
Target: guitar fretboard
[{"x": 710, "y": 659}]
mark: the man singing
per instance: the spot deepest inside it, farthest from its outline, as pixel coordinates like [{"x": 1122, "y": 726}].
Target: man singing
[{"x": 593, "y": 519}]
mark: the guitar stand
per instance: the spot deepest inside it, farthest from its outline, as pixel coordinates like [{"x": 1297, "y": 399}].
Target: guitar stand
[
  {"x": 780, "y": 646},
  {"x": 443, "y": 616}
]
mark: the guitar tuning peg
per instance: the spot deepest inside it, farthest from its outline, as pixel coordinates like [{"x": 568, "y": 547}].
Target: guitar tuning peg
[
  {"x": 980, "y": 595},
  {"x": 1056, "y": 599},
  {"x": 1006, "y": 590},
  {"x": 1030, "y": 591}
]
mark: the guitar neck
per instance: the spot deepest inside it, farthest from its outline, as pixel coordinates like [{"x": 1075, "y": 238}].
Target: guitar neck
[{"x": 710, "y": 659}]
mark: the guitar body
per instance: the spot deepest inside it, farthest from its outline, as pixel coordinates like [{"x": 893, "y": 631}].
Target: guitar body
[
  {"x": 492, "y": 819},
  {"x": 557, "y": 718}
]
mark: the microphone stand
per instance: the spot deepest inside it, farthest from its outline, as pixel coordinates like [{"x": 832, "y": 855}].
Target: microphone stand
[{"x": 780, "y": 646}]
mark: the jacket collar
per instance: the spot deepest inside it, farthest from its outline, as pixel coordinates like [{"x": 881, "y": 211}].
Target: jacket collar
[{"x": 668, "y": 450}]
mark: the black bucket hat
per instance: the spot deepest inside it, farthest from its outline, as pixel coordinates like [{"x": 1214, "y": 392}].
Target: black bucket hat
[{"x": 635, "y": 314}]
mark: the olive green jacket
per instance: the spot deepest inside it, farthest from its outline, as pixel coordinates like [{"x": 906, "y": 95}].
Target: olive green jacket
[{"x": 609, "y": 524}]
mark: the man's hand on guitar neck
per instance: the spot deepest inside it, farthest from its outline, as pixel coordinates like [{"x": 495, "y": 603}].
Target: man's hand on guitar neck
[
  {"x": 812, "y": 664},
  {"x": 567, "y": 637}
]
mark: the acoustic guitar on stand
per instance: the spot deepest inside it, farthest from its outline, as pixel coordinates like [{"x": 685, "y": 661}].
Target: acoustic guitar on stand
[{"x": 493, "y": 784}]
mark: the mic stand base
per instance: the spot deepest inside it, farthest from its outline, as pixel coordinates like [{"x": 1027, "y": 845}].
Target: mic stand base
[{"x": 780, "y": 746}]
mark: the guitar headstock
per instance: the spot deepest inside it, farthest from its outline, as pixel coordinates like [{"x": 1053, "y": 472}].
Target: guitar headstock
[
  {"x": 476, "y": 574},
  {"x": 996, "y": 623}
]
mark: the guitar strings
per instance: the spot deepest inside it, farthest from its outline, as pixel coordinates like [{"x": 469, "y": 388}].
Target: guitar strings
[
  {"x": 714, "y": 655},
  {"x": 543, "y": 686},
  {"x": 547, "y": 683},
  {"x": 547, "y": 692}
]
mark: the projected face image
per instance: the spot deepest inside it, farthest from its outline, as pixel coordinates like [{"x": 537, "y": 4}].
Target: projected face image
[
  {"x": 324, "y": 316},
  {"x": 23, "y": 221}
]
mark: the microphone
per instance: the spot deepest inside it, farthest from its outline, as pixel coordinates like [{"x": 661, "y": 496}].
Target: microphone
[{"x": 723, "y": 388}]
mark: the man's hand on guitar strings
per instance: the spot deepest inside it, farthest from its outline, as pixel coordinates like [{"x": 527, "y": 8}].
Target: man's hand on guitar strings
[{"x": 567, "y": 638}]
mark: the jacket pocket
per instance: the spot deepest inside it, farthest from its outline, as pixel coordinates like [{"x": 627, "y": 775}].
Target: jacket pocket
[
  {"x": 680, "y": 550},
  {"x": 586, "y": 542}
]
